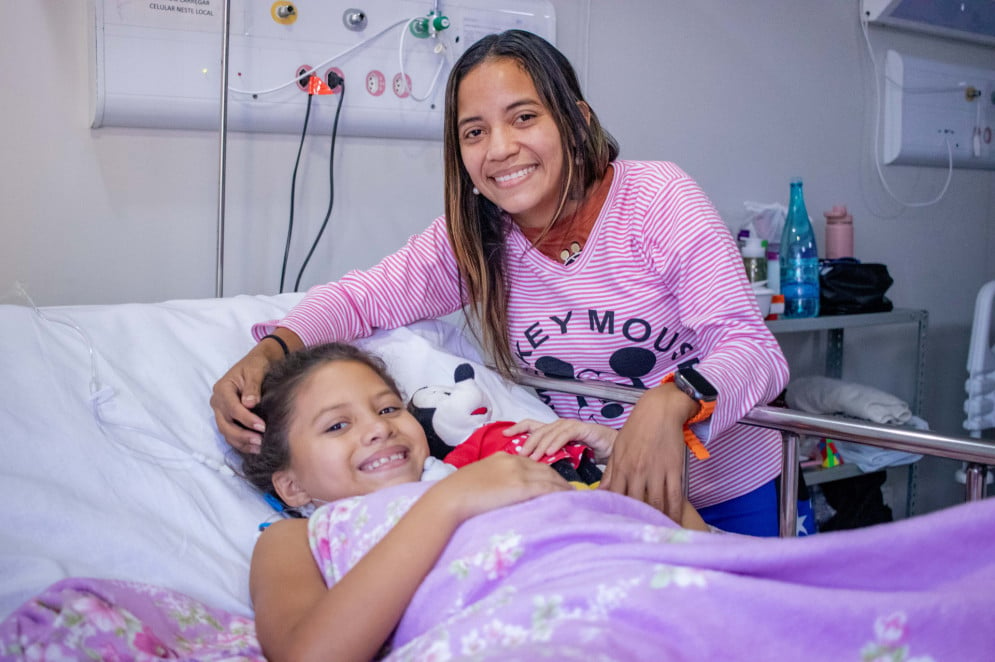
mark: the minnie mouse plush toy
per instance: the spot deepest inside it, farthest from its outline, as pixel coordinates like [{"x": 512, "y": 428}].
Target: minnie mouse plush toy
[{"x": 457, "y": 422}]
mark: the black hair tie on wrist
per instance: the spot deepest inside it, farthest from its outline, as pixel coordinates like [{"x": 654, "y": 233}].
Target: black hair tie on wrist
[{"x": 280, "y": 341}]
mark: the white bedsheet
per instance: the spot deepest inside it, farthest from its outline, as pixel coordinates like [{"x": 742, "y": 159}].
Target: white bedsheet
[{"x": 112, "y": 464}]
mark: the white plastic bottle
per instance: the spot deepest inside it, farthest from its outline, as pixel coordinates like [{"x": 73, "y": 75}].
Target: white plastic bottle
[
  {"x": 774, "y": 267},
  {"x": 755, "y": 259}
]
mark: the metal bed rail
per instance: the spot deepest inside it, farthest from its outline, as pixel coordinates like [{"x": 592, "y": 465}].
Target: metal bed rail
[{"x": 978, "y": 453}]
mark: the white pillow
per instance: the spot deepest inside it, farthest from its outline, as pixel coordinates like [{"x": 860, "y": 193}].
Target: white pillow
[{"x": 112, "y": 463}]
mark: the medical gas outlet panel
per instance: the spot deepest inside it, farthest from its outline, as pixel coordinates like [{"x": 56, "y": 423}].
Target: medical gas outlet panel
[
  {"x": 937, "y": 113},
  {"x": 157, "y": 64}
]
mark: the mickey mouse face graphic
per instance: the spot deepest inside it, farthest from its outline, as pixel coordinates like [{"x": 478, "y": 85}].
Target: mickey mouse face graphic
[{"x": 632, "y": 363}]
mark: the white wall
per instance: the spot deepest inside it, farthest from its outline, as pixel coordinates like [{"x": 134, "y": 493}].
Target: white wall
[{"x": 742, "y": 95}]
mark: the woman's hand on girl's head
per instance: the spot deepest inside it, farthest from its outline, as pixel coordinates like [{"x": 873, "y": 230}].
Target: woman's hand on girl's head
[
  {"x": 547, "y": 438},
  {"x": 495, "y": 481},
  {"x": 647, "y": 462},
  {"x": 238, "y": 391}
]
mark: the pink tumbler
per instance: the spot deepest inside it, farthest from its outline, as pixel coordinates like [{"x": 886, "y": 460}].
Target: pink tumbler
[{"x": 839, "y": 233}]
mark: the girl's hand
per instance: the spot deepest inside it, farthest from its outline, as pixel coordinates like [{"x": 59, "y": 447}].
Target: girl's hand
[
  {"x": 648, "y": 458},
  {"x": 547, "y": 438},
  {"x": 495, "y": 481}
]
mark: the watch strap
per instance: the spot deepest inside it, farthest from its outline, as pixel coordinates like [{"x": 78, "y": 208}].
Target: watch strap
[{"x": 690, "y": 438}]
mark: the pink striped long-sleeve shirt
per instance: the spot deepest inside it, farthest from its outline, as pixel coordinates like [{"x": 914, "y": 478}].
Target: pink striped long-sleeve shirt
[{"x": 659, "y": 284}]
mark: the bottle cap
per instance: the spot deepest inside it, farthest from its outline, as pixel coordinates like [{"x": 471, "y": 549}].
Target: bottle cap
[
  {"x": 838, "y": 214},
  {"x": 753, "y": 247}
]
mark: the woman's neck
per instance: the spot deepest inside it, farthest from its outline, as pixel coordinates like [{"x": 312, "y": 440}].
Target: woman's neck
[{"x": 564, "y": 239}]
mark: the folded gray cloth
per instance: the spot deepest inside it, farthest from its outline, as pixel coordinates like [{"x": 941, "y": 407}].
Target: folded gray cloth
[
  {"x": 825, "y": 395},
  {"x": 871, "y": 458}
]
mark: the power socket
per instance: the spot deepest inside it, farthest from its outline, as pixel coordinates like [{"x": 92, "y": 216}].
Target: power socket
[
  {"x": 303, "y": 76},
  {"x": 334, "y": 79}
]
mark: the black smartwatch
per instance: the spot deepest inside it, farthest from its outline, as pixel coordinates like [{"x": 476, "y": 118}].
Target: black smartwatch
[{"x": 695, "y": 385}]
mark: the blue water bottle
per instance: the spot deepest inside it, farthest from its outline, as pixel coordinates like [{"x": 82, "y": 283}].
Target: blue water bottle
[{"x": 799, "y": 259}]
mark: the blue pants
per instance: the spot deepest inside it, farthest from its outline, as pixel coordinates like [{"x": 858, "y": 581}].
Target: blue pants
[{"x": 754, "y": 513}]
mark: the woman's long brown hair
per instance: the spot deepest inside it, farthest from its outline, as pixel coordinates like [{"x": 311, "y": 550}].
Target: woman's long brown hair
[{"x": 477, "y": 227}]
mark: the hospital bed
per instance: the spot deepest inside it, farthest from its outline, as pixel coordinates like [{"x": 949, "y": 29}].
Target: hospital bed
[{"x": 119, "y": 492}]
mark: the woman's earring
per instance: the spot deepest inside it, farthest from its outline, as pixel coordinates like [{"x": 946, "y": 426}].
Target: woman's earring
[{"x": 476, "y": 191}]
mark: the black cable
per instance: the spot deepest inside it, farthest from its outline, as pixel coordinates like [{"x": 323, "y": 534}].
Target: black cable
[
  {"x": 293, "y": 188},
  {"x": 331, "y": 180}
]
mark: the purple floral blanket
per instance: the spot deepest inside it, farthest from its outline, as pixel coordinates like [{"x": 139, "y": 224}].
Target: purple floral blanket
[
  {"x": 594, "y": 576},
  {"x": 100, "y": 619},
  {"x": 591, "y": 575}
]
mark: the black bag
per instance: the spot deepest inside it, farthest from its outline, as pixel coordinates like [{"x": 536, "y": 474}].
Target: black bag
[{"x": 848, "y": 287}]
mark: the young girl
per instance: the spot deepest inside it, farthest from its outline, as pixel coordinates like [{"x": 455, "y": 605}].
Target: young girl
[
  {"x": 336, "y": 427},
  {"x": 574, "y": 263},
  {"x": 501, "y": 560}
]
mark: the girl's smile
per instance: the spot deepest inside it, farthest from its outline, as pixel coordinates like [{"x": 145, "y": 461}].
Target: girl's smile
[{"x": 385, "y": 460}]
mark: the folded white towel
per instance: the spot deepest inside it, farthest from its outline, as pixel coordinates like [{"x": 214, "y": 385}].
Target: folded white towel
[{"x": 825, "y": 395}]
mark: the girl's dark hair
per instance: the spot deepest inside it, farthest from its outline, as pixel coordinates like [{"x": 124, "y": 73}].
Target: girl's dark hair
[
  {"x": 276, "y": 406},
  {"x": 477, "y": 228}
]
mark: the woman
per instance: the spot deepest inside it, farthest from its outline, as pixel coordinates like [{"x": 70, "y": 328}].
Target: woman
[{"x": 578, "y": 265}]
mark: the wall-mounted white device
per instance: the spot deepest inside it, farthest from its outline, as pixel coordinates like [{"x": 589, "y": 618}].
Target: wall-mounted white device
[
  {"x": 158, "y": 64},
  {"x": 970, "y": 20},
  {"x": 936, "y": 112}
]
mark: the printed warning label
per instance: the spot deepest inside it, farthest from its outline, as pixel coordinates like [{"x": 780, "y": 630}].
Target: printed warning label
[{"x": 171, "y": 14}]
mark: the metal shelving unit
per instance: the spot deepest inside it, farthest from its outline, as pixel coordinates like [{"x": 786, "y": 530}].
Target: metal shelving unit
[{"x": 834, "y": 326}]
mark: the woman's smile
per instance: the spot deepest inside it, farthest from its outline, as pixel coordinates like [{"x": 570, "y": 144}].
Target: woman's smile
[{"x": 515, "y": 177}]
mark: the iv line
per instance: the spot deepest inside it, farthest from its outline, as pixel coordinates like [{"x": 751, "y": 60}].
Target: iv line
[
  {"x": 959, "y": 87},
  {"x": 440, "y": 49},
  {"x": 99, "y": 395}
]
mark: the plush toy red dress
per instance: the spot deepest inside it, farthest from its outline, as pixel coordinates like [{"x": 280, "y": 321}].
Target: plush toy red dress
[{"x": 457, "y": 422}]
